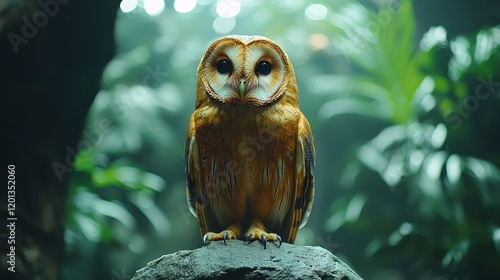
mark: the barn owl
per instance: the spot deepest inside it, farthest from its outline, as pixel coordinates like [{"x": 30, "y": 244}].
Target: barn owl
[{"x": 249, "y": 150}]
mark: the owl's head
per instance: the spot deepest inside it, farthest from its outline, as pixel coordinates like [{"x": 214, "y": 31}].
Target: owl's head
[{"x": 245, "y": 70}]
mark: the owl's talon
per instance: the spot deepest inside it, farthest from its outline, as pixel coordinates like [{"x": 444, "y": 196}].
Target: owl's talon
[
  {"x": 221, "y": 236},
  {"x": 264, "y": 239},
  {"x": 206, "y": 241},
  {"x": 257, "y": 233},
  {"x": 247, "y": 238}
]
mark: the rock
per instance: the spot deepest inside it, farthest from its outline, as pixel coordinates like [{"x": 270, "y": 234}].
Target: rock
[{"x": 238, "y": 260}]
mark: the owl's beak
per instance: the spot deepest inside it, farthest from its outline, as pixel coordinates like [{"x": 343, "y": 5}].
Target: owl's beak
[{"x": 243, "y": 87}]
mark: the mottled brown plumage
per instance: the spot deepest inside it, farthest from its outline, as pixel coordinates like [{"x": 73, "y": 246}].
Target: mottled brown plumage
[{"x": 249, "y": 149}]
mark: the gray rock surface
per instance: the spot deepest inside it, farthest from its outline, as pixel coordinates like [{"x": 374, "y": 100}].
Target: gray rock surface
[{"x": 237, "y": 260}]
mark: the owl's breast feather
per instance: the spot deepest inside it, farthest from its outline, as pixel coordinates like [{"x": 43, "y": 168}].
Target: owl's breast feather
[{"x": 248, "y": 150}]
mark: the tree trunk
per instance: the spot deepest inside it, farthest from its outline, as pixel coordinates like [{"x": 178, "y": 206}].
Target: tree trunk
[{"x": 52, "y": 54}]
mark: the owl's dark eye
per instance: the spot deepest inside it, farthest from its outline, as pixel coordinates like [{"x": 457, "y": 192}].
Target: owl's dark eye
[
  {"x": 263, "y": 68},
  {"x": 224, "y": 66}
]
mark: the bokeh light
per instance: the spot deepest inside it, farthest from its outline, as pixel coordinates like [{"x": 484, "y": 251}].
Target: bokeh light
[
  {"x": 318, "y": 41},
  {"x": 184, "y": 6},
  {"x": 228, "y": 8},
  {"x": 223, "y": 25},
  {"x": 316, "y": 12},
  {"x": 154, "y": 7},
  {"x": 128, "y": 6}
]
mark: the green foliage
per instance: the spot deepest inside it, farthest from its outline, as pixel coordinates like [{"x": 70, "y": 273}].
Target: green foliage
[
  {"x": 97, "y": 195},
  {"x": 381, "y": 44},
  {"x": 440, "y": 215}
]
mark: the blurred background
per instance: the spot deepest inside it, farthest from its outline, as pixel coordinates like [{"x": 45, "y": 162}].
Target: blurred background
[{"x": 404, "y": 102}]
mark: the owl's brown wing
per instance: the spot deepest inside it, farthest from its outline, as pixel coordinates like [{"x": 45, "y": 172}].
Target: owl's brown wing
[
  {"x": 194, "y": 178},
  {"x": 304, "y": 182}
]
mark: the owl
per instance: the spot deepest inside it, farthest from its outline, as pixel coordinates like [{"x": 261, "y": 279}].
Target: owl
[{"x": 249, "y": 150}]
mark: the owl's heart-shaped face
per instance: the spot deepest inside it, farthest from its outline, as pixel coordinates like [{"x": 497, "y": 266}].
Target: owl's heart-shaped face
[{"x": 249, "y": 70}]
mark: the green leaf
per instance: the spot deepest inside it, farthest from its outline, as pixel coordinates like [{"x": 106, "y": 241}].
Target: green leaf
[
  {"x": 457, "y": 253},
  {"x": 355, "y": 207},
  {"x": 85, "y": 161},
  {"x": 127, "y": 176}
]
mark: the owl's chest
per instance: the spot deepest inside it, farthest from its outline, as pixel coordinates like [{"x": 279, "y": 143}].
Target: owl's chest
[{"x": 249, "y": 139}]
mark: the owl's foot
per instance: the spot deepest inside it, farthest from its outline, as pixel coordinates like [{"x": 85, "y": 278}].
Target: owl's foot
[
  {"x": 223, "y": 235},
  {"x": 256, "y": 233}
]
